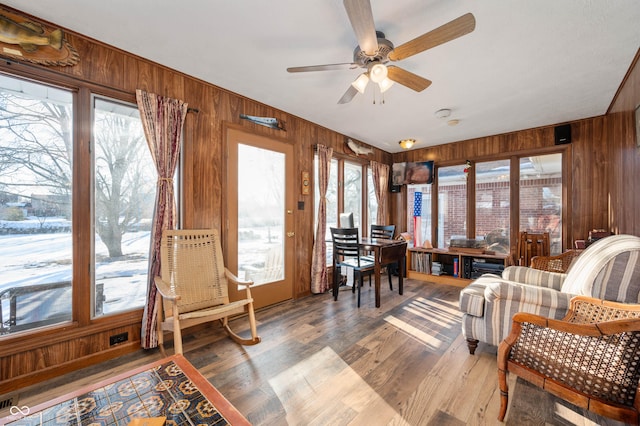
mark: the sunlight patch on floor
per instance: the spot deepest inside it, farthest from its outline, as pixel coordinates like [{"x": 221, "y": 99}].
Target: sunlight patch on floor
[
  {"x": 414, "y": 332},
  {"x": 323, "y": 389}
]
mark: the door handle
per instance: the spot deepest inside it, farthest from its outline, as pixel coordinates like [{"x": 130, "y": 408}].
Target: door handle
[{"x": 290, "y": 234}]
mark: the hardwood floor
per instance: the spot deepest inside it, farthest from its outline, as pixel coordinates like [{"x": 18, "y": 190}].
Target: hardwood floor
[{"x": 328, "y": 363}]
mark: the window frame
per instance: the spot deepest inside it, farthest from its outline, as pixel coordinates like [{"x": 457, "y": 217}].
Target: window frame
[
  {"x": 82, "y": 323},
  {"x": 514, "y": 170}
]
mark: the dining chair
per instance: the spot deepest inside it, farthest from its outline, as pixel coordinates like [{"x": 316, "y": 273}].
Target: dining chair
[
  {"x": 385, "y": 232},
  {"x": 347, "y": 258}
]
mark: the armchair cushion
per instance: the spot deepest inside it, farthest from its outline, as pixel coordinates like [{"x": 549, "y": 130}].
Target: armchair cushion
[
  {"x": 489, "y": 303},
  {"x": 526, "y": 275},
  {"x": 607, "y": 271}
]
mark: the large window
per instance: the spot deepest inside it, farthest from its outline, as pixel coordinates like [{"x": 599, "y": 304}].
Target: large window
[
  {"x": 541, "y": 197},
  {"x": 452, "y": 204},
  {"x": 36, "y": 151},
  {"x": 49, "y": 264},
  {"x": 353, "y": 192},
  {"x": 372, "y": 201},
  {"x": 493, "y": 208},
  {"x": 538, "y": 208},
  {"x": 125, "y": 189},
  {"x": 345, "y": 194}
]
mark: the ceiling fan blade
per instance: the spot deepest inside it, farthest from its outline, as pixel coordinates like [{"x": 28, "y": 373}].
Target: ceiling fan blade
[
  {"x": 327, "y": 67},
  {"x": 348, "y": 95},
  {"x": 361, "y": 17},
  {"x": 447, "y": 32},
  {"x": 408, "y": 79}
]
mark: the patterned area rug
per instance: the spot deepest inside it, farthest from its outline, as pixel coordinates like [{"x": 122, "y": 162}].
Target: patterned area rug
[
  {"x": 530, "y": 405},
  {"x": 164, "y": 390}
]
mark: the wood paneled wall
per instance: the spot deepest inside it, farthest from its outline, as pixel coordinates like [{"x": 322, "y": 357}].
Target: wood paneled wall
[
  {"x": 604, "y": 163},
  {"x": 104, "y": 69},
  {"x": 605, "y": 168}
]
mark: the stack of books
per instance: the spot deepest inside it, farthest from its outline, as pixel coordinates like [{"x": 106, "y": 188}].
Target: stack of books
[{"x": 436, "y": 268}]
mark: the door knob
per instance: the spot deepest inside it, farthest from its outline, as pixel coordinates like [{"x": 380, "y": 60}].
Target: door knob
[{"x": 290, "y": 234}]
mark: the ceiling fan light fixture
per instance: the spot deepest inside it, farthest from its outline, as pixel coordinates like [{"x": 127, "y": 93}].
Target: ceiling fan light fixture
[
  {"x": 361, "y": 82},
  {"x": 407, "y": 143},
  {"x": 385, "y": 85},
  {"x": 378, "y": 72}
]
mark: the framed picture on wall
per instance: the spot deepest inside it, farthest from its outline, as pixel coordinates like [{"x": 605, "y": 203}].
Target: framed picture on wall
[{"x": 637, "y": 116}]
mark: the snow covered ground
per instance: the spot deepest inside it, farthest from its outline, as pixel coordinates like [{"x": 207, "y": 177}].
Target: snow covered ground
[{"x": 43, "y": 258}]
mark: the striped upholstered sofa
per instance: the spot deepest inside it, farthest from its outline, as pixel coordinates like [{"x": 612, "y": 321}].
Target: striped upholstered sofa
[{"x": 608, "y": 269}]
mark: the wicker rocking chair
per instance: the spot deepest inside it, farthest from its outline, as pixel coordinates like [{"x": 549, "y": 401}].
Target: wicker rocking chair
[
  {"x": 590, "y": 358},
  {"x": 192, "y": 288}
]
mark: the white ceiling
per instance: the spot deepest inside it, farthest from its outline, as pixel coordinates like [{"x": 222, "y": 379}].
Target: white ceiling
[{"x": 528, "y": 63}]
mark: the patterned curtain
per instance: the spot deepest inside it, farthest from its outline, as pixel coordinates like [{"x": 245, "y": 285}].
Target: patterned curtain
[
  {"x": 162, "y": 120},
  {"x": 380, "y": 184},
  {"x": 319, "y": 281}
]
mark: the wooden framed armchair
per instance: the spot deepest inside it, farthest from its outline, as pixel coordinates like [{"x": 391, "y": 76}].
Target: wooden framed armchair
[
  {"x": 193, "y": 286},
  {"x": 559, "y": 263},
  {"x": 590, "y": 358}
]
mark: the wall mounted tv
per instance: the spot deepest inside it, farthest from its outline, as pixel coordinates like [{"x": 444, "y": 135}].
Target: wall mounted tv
[{"x": 412, "y": 173}]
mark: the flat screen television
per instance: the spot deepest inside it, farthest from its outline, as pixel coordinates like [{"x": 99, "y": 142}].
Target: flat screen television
[
  {"x": 412, "y": 173},
  {"x": 346, "y": 220}
]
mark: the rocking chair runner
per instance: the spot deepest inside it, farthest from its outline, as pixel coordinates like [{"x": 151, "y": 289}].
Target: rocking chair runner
[{"x": 194, "y": 286}]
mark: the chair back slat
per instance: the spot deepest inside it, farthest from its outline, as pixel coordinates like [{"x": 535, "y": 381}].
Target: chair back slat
[
  {"x": 193, "y": 264},
  {"x": 345, "y": 244},
  {"x": 383, "y": 231}
]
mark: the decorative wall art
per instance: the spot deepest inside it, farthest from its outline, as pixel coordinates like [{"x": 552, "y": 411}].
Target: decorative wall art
[{"x": 23, "y": 39}]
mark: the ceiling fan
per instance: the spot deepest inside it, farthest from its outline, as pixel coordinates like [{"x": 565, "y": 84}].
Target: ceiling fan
[{"x": 374, "y": 51}]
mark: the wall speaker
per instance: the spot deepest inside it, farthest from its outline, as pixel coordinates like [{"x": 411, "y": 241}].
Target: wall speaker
[{"x": 563, "y": 134}]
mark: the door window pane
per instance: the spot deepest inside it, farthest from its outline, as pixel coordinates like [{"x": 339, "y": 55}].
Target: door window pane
[
  {"x": 452, "y": 204},
  {"x": 492, "y": 204},
  {"x": 36, "y": 151},
  {"x": 261, "y": 207},
  {"x": 125, "y": 190},
  {"x": 541, "y": 197}
]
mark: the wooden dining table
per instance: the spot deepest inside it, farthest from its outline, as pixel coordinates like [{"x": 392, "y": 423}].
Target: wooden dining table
[{"x": 385, "y": 252}]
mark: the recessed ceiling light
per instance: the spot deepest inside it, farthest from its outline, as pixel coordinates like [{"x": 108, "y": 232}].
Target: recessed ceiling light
[{"x": 443, "y": 113}]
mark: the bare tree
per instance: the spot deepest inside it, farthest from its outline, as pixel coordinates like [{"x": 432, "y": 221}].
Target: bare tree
[
  {"x": 122, "y": 192},
  {"x": 36, "y": 150}
]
